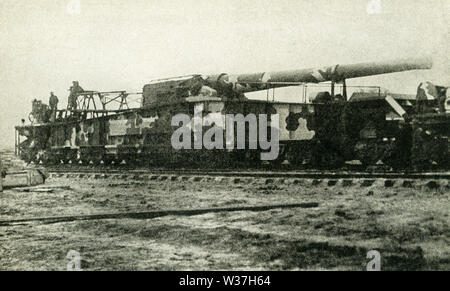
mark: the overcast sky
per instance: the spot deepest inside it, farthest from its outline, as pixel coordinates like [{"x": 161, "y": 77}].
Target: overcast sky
[{"x": 122, "y": 44}]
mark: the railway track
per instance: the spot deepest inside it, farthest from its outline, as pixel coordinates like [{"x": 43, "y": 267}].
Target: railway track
[
  {"x": 432, "y": 180},
  {"x": 315, "y": 178}
]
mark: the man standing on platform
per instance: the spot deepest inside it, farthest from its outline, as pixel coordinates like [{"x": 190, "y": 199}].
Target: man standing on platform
[
  {"x": 75, "y": 89},
  {"x": 53, "y": 102}
]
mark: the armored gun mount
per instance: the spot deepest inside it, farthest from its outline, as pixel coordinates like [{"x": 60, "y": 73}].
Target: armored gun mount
[{"x": 233, "y": 86}]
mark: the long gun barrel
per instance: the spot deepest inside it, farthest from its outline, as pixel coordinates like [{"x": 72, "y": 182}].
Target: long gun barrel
[{"x": 338, "y": 73}]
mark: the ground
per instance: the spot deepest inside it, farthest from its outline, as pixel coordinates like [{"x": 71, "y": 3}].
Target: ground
[{"x": 409, "y": 227}]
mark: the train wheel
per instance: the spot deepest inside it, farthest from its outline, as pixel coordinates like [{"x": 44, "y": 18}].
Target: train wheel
[
  {"x": 68, "y": 158},
  {"x": 397, "y": 161},
  {"x": 368, "y": 162},
  {"x": 46, "y": 160},
  {"x": 298, "y": 155},
  {"x": 440, "y": 153},
  {"x": 140, "y": 162},
  {"x": 281, "y": 157},
  {"x": 26, "y": 158},
  {"x": 296, "y": 160},
  {"x": 108, "y": 161},
  {"x": 444, "y": 163},
  {"x": 329, "y": 160},
  {"x": 369, "y": 152},
  {"x": 97, "y": 161},
  {"x": 130, "y": 161},
  {"x": 252, "y": 158},
  {"x": 34, "y": 159},
  {"x": 57, "y": 159},
  {"x": 227, "y": 160},
  {"x": 85, "y": 160},
  {"x": 120, "y": 160}
]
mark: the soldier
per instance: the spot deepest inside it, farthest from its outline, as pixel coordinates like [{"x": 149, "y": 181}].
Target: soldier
[
  {"x": 53, "y": 102},
  {"x": 442, "y": 98},
  {"x": 75, "y": 89},
  {"x": 426, "y": 94}
]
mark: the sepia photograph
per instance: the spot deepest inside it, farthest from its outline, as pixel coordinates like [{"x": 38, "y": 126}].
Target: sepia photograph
[{"x": 224, "y": 135}]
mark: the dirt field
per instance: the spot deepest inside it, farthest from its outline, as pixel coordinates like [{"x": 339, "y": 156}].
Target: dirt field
[{"x": 409, "y": 227}]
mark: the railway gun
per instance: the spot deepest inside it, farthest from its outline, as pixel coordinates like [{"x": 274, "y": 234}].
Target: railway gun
[{"x": 372, "y": 126}]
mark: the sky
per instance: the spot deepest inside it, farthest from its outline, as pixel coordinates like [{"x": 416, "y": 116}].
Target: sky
[{"x": 123, "y": 44}]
